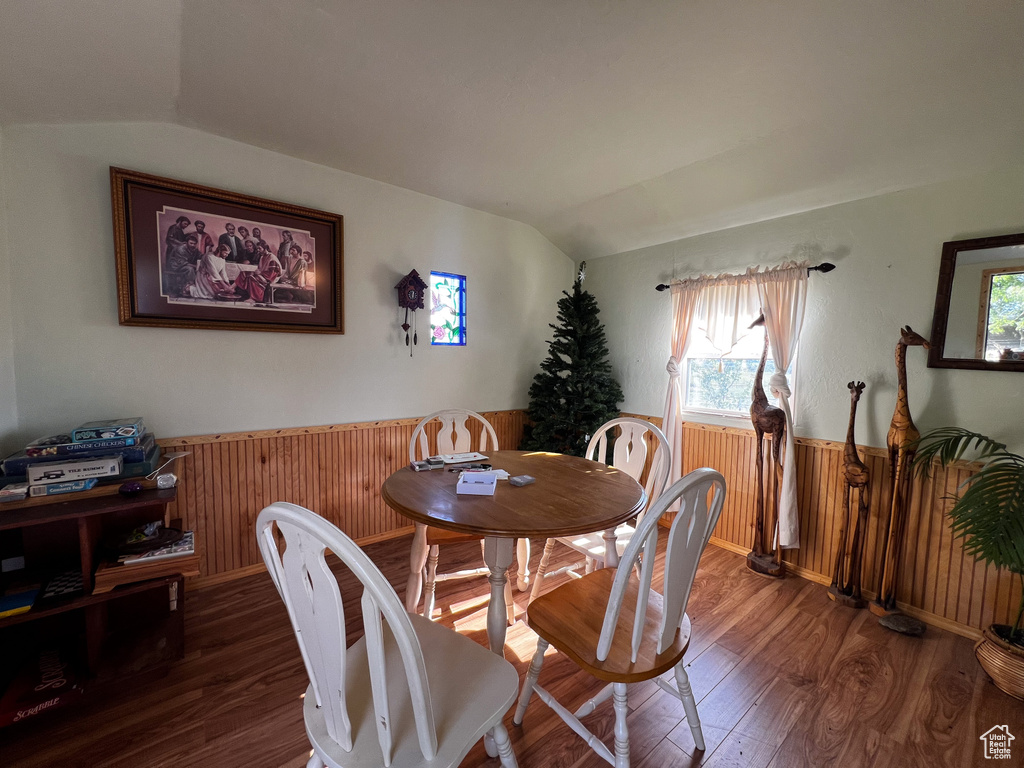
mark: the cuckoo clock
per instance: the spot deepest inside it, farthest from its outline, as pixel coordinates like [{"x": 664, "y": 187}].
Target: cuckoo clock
[{"x": 410, "y": 296}]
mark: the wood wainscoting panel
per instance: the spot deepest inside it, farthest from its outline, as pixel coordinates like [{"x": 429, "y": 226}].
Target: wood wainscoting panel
[
  {"x": 937, "y": 581},
  {"x": 334, "y": 470},
  {"x": 337, "y": 471}
]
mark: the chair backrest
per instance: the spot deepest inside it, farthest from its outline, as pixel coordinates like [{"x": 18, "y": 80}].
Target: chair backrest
[
  {"x": 313, "y": 599},
  {"x": 629, "y": 452},
  {"x": 687, "y": 537},
  {"x": 454, "y": 435}
]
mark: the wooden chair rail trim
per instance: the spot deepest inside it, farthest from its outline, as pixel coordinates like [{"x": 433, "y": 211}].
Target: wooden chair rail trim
[
  {"x": 836, "y": 445},
  {"x": 227, "y": 437}
]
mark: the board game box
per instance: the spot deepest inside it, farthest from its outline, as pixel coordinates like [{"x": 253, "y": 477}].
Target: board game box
[
  {"x": 131, "y": 426},
  {"x": 134, "y": 469},
  {"x": 46, "y": 680},
  {"x": 56, "y": 489},
  {"x": 18, "y": 463},
  {"x": 63, "y": 585},
  {"x": 81, "y": 469},
  {"x": 61, "y": 445}
]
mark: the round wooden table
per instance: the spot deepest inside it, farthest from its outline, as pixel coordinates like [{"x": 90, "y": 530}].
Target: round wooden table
[{"x": 571, "y": 496}]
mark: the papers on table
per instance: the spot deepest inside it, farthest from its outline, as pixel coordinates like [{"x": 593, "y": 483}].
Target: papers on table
[{"x": 458, "y": 458}]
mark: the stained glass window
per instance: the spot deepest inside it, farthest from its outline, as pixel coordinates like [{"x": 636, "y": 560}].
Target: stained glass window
[{"x": 447, "y": 309}]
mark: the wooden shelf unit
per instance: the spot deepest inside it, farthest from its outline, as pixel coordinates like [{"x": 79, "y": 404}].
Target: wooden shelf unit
[
  {"x": 87, "y": 513},
  {"x": 91, "y": 520}
]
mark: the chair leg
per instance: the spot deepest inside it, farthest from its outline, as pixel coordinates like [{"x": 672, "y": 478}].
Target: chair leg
[
  {"x": 504, "y": 746},
  {"x": 530, "y": 681},
  {"x": 542, "y": 568},
  {"x": 489, "y": 746},
  {"x": 430, "y": 583},
  {"x": 417, "y": 560},
  {"x": 689, "y": 705},
  {"x": 589, "y": 566},
  {"x": 315, "y": 761},
  {"x": 621, "y": 732},
  {"x": 591, "y": 704},
  {"x": 523, "y": 559}
]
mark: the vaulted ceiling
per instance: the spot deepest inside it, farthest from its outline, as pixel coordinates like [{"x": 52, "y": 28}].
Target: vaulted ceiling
[{"x": 606, "y": 124}]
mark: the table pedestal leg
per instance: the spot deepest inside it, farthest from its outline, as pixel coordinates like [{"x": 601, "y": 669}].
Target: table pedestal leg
[
  {"x": 523, "y": 559},
  {"x": 611, "y": 554},
  {"x": 417, "y": 560},
  {"x": 498, "y": 557}
]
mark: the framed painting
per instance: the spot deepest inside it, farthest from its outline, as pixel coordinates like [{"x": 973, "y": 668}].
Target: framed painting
[{"x": 190, "y": 256}]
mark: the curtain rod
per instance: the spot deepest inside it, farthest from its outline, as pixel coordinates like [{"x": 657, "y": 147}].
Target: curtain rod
[{"x": 825, "y": 266}]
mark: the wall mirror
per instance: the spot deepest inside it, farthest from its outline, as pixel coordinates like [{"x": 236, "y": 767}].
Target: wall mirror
[{"x": 979, "y": 305}]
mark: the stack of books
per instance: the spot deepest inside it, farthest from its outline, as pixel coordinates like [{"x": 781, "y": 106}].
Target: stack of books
[{"x": 95, "y": 452}]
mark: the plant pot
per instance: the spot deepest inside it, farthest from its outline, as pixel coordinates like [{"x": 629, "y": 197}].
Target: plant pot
[{"x": 1003, "y": 662}]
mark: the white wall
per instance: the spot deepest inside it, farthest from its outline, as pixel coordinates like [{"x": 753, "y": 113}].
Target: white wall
[
  {"x": 887, "y": 251},
  {"x": 8, "y": 400},
  {"x": 74, "y": 362}
]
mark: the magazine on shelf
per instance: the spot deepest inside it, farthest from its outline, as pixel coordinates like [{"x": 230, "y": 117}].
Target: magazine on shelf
[{"x": 181, "y": 548}]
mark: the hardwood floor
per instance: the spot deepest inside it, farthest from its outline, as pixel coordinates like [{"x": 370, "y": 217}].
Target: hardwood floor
[{"x": 783, "y": 678}]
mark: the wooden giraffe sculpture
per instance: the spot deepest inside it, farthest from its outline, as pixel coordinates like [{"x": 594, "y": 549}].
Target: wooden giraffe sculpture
[
  {"x": 765, "y": 557},
  {"x": 900, "y": 440},
  {"x": 845, "y": 587}
]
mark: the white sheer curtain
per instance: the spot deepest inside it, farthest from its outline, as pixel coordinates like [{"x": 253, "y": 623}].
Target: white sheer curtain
[
  {"x": 726, "y": 308},
  {"x": 783, "y": 297},
  {"x": 684, "y": 308},
  {"x": 722, "y": 307}
]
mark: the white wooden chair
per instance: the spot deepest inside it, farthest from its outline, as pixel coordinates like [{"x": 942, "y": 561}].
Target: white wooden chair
[
  {"x": 411, "y": 693},
  {"x": 644, "y": 633},
  {"x": 629, "y": 454},
  {"x": 454, "y": 436}
]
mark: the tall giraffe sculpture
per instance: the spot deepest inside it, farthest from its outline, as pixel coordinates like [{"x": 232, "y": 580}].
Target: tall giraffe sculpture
[
  {"x": 766, "y": 557},
  {"x": 845, "y": 588},
  {"x": 900, "y": 442}
]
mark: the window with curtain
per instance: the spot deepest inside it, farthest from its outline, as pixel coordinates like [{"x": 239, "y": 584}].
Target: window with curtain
[
  {"x": 721, "y": 309},
  {"x": 721, "y": 383}
]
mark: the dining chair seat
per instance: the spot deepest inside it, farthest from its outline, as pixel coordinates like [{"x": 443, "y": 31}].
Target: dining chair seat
[
  {"x": 404, "y": 692},
  {"x": 618, "y": 627},
  {"x": 629, "y": 438},
  {"x": 453, "y": 669},
  {"x": 567, "y": 620}
]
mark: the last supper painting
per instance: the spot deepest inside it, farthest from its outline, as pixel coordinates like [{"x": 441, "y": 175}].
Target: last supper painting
[{"x": 196, "y": 257}]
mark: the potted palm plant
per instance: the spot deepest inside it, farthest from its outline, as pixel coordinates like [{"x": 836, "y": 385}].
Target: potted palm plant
[{"x": 989, "y": 515}]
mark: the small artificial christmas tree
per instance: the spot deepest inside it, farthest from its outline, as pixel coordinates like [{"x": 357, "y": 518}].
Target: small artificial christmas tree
[{"x": 574, "y": 393}]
